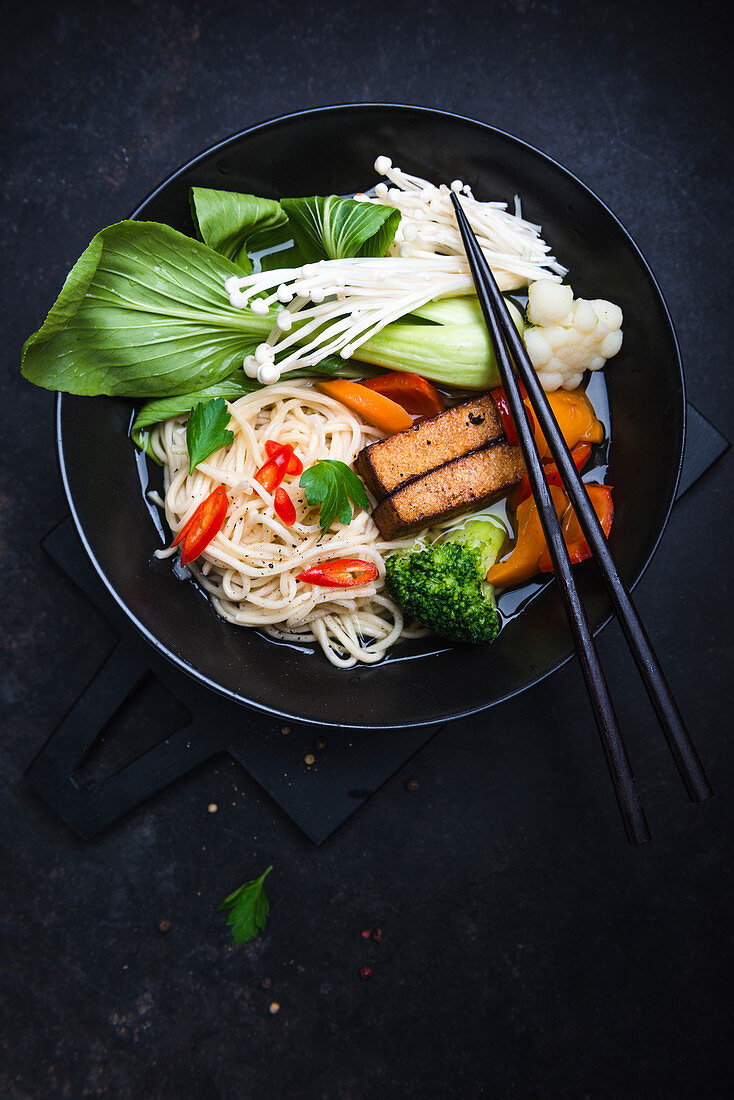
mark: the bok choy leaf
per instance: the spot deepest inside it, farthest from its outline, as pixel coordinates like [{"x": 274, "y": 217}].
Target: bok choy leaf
[
  {"x": 454, "y": 354},
  {"x": 332, "y": 228},
  {"x": 143, "y": 313},
  {"x": 236, "y": 225},
  {"x": 231, "y": 389},
  {"x": 322, "y": 227}
]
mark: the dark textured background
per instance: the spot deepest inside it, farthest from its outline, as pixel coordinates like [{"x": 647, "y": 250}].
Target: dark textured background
[{"x": 528, "y": 951}]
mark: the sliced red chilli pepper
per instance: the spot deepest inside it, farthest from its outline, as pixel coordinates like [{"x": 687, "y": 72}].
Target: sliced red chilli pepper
[
  {"x": 580, "y": 455},
  {"x": 274, "y": 470},
  {"x": 295, "y": 466},
  {"x": 284, "y": 508},
  {"x": 205, "y": 523},
  {"x": 341, "y": 573}
]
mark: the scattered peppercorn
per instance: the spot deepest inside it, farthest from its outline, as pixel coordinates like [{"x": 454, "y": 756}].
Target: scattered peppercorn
[
  {"x": 365, "y": 972},
  {"x": 377, "y": 935},
  {"x": 165, "y": 925},
  {"x": 320, "y": 742},
  {"x": 309, "y": 759},
  {"x": 266, "y": 983},
  {"x": 285, "y": 729},
  {"x": 273, "y": 1008},
  {"x": 411, "y": 784}
]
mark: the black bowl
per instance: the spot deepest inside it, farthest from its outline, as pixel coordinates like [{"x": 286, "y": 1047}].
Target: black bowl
[{"x": 332, "y": 149}]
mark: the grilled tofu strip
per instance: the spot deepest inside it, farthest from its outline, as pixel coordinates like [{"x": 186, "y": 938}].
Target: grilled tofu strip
[
  {"x": 465, "y": 483},
  {"x": 387, "y": 464}
]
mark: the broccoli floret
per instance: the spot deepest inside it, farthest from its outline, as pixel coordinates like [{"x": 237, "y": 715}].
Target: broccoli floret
[{"x": 444, "y": 586}]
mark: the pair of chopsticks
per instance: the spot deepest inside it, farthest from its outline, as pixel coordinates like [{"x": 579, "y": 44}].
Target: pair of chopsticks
[{"x": 509, "y": 348}]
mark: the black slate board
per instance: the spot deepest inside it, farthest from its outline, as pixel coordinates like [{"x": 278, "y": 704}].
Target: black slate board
[{"x": 351, "y": 765}]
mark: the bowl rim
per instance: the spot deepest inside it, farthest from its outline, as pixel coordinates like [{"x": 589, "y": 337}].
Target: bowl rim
[{"x": 278, "y": 713}]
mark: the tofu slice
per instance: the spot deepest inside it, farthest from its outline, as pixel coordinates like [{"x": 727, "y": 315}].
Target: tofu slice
[
  {"x": 459, "y": 486},
  {"x": 385, "y": 465}
]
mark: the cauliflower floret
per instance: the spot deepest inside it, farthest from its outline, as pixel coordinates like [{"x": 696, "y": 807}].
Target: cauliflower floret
[
  {"x": 569, "y": 335},
  {"x": 549, "y": 302}
]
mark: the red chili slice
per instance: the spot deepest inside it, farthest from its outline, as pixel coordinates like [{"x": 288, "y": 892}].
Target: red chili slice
[
  {"x": 284, "y": 508},
  {"x": 295, "y": 466},
  {"x": 340, "y": 573},
  {"x": 205, "y": 523},
  {"x": 274, "y": 470}
]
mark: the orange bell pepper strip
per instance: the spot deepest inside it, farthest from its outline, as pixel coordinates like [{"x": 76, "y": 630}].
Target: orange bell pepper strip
[
  {"x": 417, "y": 396},
  {"x": 578, "y": 547},
  {"x": 576, "y": 419},
  {"x": 522, "y": 563},
  {"x": 572, "y": 409},
  {"x": 579, "y": 454},
  {"x": 374, "y": 408}
]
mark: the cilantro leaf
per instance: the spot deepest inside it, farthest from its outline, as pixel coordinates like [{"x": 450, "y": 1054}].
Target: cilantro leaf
[
  {"x": 207, "y": 430},
  {"x": 248, "y": 909},
  {"x": 332, "y": 484}
]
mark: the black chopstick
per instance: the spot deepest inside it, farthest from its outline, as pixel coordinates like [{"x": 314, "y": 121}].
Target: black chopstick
[
  {"x": 618, "y": 762},
  {"x": 507, "y": 342},
  {"x": 678, "y": 738}
]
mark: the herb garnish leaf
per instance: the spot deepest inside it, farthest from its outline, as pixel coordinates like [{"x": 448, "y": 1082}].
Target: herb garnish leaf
[
  {"x": 248, "y": 909},
  {"x": 332, "y": 484},
  {"x": 206, "y": 430}
]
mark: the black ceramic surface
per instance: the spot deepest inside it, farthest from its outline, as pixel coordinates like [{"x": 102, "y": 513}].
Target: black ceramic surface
[{"x": 333, "y": 150}]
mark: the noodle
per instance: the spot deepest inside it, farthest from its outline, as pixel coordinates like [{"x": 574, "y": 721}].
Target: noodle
[{"x": 249, "y": 569}]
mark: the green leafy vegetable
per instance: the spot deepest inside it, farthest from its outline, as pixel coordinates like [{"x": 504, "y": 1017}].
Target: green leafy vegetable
[
  {"x": 323, "y": 227},
  {"x": 332, "y": 228},
  {"x": 143, "y": 313},
  {"x": 230, "y": 389},
  {"x": 207, "y": 431},
  {"x": 235, "y": 225},
  {"x": 331, "y": 484},
  {"x": 455, "y": 354},
  {"x": 464, "y": 310},
  {"x": 247, "y": 909}
]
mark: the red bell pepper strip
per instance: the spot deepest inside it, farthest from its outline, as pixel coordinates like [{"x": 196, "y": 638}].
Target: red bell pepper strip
[
  {"x": 580, "y": 455},
  {"x": 340, "y": 573},
  {"x": 416, "y": 395},
  {"x": 295, "y": 466},
  {"x": 274, "y": 470},
  {"x": 204, "y": 524},
  {"x": 503, "y": 408},
  {"x": 284, "y": 507},
  {"x": 578, "y": 548}
]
